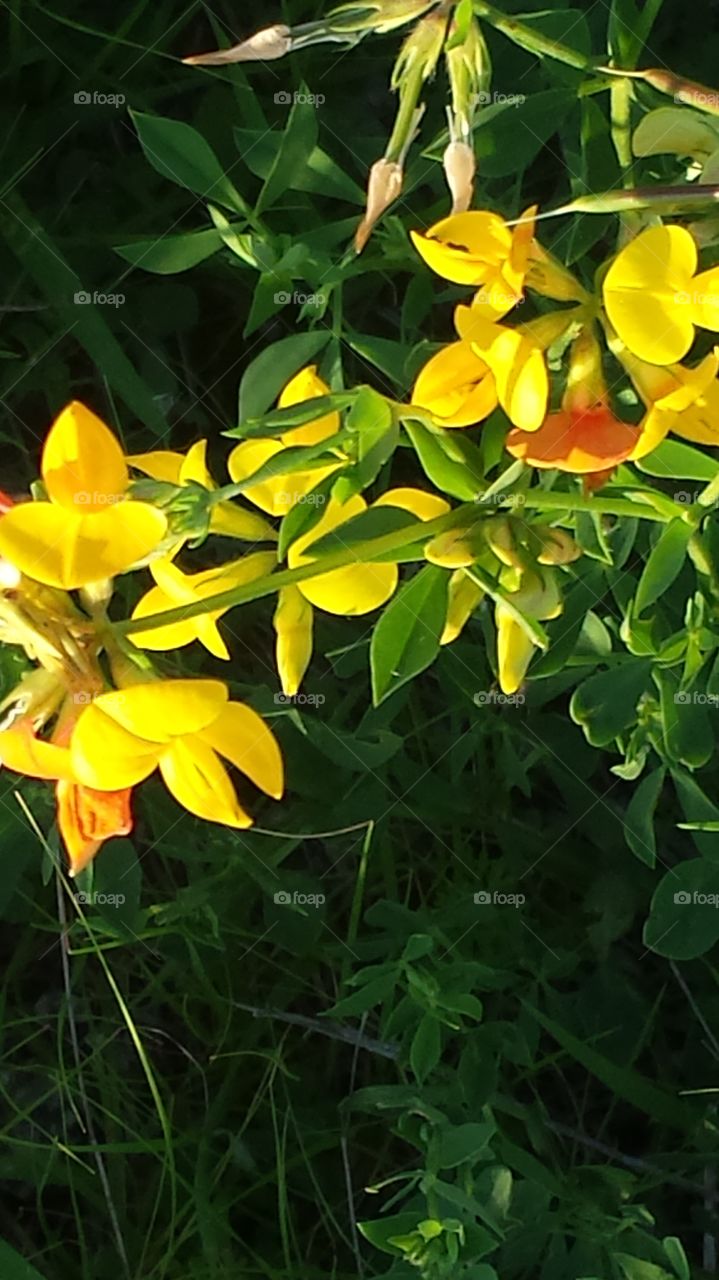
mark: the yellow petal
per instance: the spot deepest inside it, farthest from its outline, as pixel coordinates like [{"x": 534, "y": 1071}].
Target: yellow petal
[
  {"x": 159, "y": 710},
  {"x": 517, "y": 364},
  {"x": 54, "y": 546},
  {"x": 464, "y": 597},
  {"x": 514, "y": 651},
  {"x": 243, "y": 738},
  {"x": 674, "y": 131},
  {"x": 162, "y": 465},
  {"x": 198, "y": 780},
  {"x": 278, "y": 495},
  {"x": 456, "y": 386},
  {"x": 647, "y": 294},
  {"x": 194, "y": 466},
  {"x": 306, "y": 385},
  {"x": 293, "y": 623},
  {"x": 106, "y": 756},
  {"x": 358, "y": 589},
  {"x": 174, "y": 636},
  {"x": 231, "y": 521},
  {"x": 83, "y": 466},
  {"x": 465, "y": 247},
  {"x": 705, "y": 299},
  {"x": 426, "y": 506},
  {"x": 22, "y": 752}
]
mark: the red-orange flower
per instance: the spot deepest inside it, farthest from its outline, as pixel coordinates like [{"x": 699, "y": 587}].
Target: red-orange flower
[
  {"x": 577, "y": 440},
  {"x": 87, "y": 818}
]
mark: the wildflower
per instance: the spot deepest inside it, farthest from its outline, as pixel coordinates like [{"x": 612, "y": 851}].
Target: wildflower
[
  {"x": 584, "y": 436},
  {"x": 278, "y": 494},
  {"x": 684, "y": 401},
  {"x": 456, "y": 386},
  {"x": 88, "y": 529},
  {"x": 516, "y": 362},
  {"x": 174, "y": 588},
  {"x": 182, "y": 727},
  {"x": 654, "y": 299},
  {"x": 349, "y": 592},
  {"x": 179, "y": 469},
  {"x": 479, "y": 248},
  {"x": 464, "y": 597},
  {"x": 538, "y": 596}
]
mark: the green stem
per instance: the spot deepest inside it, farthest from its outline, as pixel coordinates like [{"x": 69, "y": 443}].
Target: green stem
[
  {"x": 532, "y": 40},
  {"x": 368, "y": 551}
]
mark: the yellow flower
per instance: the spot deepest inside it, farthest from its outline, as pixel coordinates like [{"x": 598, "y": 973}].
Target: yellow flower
[
  {"x": 540, "y": 598},
  {"x": 279, "y": 494},
  {"x": 464, "y": 597},
  {"x": 478, "y": 248},
  {"x": 348, "y": 592},
  {"x": 516, "y": 361},
  {"x": 653, "y": 298},
  {"x": 684, "y": 401},
  {"x": 180, "y": 469},
  {"x": 85, "y": 817},
  {"x": 182, "y": 727},
  {"x": 174, "y": 588},
  {"x": 88, "y": 529},
  {"x": 456, "y": 386}
]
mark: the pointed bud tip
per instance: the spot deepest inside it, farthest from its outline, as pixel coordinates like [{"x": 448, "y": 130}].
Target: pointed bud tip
[
  {"x": 460, "y": 167},
  {"x": 263, "y": 46},
  {"x": 383, "y": 188}
]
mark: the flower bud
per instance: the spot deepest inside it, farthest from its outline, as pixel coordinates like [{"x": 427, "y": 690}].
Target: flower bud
[
  {"x": 460, "y": 167},
  {"x": 263, "y": 46},
  {"x": 384, "y": 187}
]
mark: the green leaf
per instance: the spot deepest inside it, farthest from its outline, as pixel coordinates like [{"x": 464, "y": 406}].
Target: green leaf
[
  {"x": 509, "y": 136},
  {"x": 277, "y": 421},
  {"x": 371, "y": 419},
  {"x": 638, "y": 1269},
  {"x": 464, "y": 1142},
  {"x": 373, "y": 523},
  {"x": 406, "y": 639},
  {"x": 605, "y": 704},
  {"x": 672, "y": 461},
  {"x": 698, "y": 808},
  {"x": 117, "y": 885},
  {"x": 321, "y": 175},
  {"x": 180, "y": 153},
  {"x": 382, "y": 1230},
  {"x": 169, "y": 255},
  {"x": 664, "y": 564},
  {"x": 622, "y": 1081},
  {"x": 303, "y": 516},
  {"x": 271, "y": 370},
  {"x": 688, "y": 735},
  {"x": 426, "y": 1048},
  {"x": 456, "y": 478},
  {"x": 674, "y": 1250},
  {"x": 58, "y": 281},
  {"x": 684, "y": 918},
  {"x": 297, "y": 145},
  {"x": 639, "y": 817},
  {"x": 14, "y": 1267}
]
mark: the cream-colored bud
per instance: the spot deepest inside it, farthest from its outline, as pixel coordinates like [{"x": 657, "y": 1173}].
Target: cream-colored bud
[
  {"x": 460, "y": 166},
  {"x": 383, "y": 188},
  {"x": 263, "y": 46}
]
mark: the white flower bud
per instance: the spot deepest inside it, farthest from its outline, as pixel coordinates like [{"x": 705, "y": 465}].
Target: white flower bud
[{"x": 264, "y": 46}]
